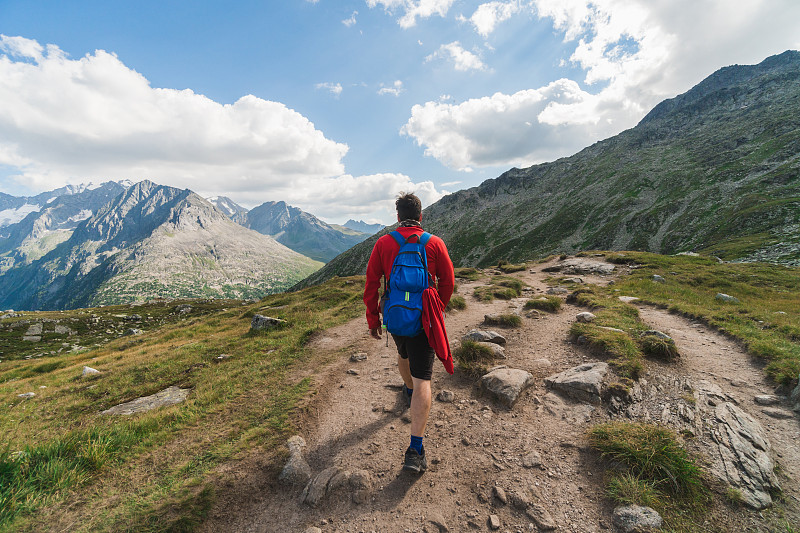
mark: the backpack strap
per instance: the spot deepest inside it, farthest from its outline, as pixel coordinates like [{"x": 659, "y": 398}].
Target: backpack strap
[
  {"x": 398, "y": 237},
  {"x": 423, "y": 240}
]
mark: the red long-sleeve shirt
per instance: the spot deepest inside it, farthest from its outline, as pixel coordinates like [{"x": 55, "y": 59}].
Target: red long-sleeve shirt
[{"x": 380, "y": 265}]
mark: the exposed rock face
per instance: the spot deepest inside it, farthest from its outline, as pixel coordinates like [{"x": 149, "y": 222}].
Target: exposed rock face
[
  {"x": 169, "y": 396},
  {"x": 506, "y": 384},
  {"x": 579, "y": 265},
  {"x": 334, "y": 479},
  {"x": 636, "y": 519},
  {"x": 743, "y": 458},
  {"x": 584, "y": 382},
  {"x": 477, "y": 335}
]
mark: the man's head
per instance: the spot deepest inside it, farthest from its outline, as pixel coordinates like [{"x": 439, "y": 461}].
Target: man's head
[{"x": 408, "y": 207}]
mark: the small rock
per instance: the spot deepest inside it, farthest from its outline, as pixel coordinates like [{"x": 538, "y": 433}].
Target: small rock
[
  {"x": 628, "y": 299},
  {"x": 586, "y": 317},
  {"x": 183, "y": 309},
  {"x": 541, "y": 516},
  {"x": 494, "y": 522},
  {"x": 222, "y": 357},
  {"x": 446, "y": 396},
  {"x": 726, "y": 298},
  {"x": 26, "y": 395},
  {"x": 658, "y": 279},
  {"x": 500, "y": 494},
  {"x": 557, "y": 290},
  {"x": 498, "y": 352},
  {"x": 437, "y": 520},
  {"x": 532, "y": 459},
  {"x": 361, "y": 484},
  {"x": 358, "y": 357},
  {"x": 507, "y": 384},
  {"x": 132, "y": 332},
  {"x": 636, "y": 519},
  {"x": 477, "y": 335},
  {"x": 89, "y": 371},
  {"x": 780, "y": 414},
  {"x": 656, "y": 333},
  {"x": 31, "y": 338},
  {"x": 312, "y": 529},
  {"x": 767, "y": 399},
  {"x": 353, "y": 371},
  {"x": 264, "y": 323}
]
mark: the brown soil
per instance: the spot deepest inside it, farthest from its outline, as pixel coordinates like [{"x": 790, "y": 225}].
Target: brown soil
[{"x": 356, "y": 422}]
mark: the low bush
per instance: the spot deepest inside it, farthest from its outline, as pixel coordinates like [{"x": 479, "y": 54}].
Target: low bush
[
  {"x": 659, "y": 348},
  {"x": 456, "y": 303},
  {"x": 509, "y": 267},
  {"x": 473, "y": 358},
  {"x": 508, "y": 320},
  {"x": 469, "y": 274}
]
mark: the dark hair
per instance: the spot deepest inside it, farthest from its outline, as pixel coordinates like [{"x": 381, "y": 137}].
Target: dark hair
[{"x": 408, "y": 206}]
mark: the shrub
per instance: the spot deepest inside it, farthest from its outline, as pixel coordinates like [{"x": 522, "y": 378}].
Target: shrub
[
  {"x": 501, "y": 288},
  {"x": 509, "y": 267},
  {"x": 626, "y": 357},
  {"x": 551, "y": 304},
  {"x": 508, "y": 320},
  {"x": 627, "y": 489}
]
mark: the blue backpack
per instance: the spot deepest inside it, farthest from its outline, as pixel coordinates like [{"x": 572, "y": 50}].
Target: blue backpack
[{"x": 402, "y": 311}]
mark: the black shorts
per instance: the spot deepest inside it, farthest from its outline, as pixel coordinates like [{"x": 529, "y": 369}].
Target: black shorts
[{"x": 419, "y": 353}]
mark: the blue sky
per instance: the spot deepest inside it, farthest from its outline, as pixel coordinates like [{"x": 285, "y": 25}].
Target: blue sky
[{"x": 335, "y": 106}]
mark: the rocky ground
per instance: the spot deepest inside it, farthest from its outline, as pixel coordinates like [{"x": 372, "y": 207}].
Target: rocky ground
[{"x": 524, "y": 468}]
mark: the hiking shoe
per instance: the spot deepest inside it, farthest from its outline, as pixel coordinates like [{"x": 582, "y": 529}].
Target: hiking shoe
[
  {"x": 414, "y": 462},
  {"x": 406, "y": 395}
]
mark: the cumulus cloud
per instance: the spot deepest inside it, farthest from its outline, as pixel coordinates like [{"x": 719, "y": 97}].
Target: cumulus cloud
[
  {"x": 350, "y": 21},
  {"x": 413, "y": 8},
  {"x": 487, "y": 16},
  {"x": 394, "y": 90},
  {"x": 94, "y": 119},
  {"x": 634, "y": 53},
  {"x": 334, "y": 88},
  {"x": 462, "y": 60}
]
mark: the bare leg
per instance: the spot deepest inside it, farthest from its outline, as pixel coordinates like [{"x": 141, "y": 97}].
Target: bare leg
[
  {"x": 405, "y": 371},
  {"x": 420, "y": 406}
]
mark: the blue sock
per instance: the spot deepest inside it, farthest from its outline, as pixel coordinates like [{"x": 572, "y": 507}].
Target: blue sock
[
  {"x": 416, "y": 443},
  {"x": 409, "y": 392}
]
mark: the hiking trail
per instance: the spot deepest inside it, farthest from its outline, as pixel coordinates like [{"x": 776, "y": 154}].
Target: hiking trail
[{"x": 480, "y": 452}]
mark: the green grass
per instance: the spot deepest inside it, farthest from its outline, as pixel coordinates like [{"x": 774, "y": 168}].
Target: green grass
[
  {"x": 654, "y": 470},
  {"x": 507, "y": 320},
  {"x": 473, "y": 358},
  {"x": 469, "y": 274},
  {"x": 155, "y": 469},
  {"x": 456, "y": 303},
  {"x": 767, "y": 319},
  {"x": 659, "y": 348},
  {"x": 502, "y": 288},
  {"x": 551, "y": 304},
  {"x": 508, "y": 268}
]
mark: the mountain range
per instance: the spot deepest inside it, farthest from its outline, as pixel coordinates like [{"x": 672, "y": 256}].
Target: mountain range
[
  {"x": 152, "y": 240},
  {"x": 715, "y": 170}
]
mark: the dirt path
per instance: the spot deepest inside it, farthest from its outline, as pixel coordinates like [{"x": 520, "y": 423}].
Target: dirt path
[{"x": 474, "y": 444}]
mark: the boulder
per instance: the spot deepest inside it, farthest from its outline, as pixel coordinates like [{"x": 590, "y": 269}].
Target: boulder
[
  {"x": 584, "y": 382},
  {"x": 34, "y": 329},
  {"x": 507, "y": 384},
  {"x": 324, "y": 483},
  {"x": 89, "y": 371},
  {"x": 767, "y": 399},
  {"x": 264, "y": 323},
  {"x": 361, "y": 485},
  {"x": 168, "y": 396},
  {"x": 658, "y": 279},
  {"x": 477, "y": 335},
  {"x": 636, "y": 519},
  {"x": 722, "y": 297},
  {"x": 446, "y": 396},
  {"x": 585, "y": 317}
]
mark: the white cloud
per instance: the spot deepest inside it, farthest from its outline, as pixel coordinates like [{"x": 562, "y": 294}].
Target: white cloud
[
  {"x": 93, "y": 119},
  {"x": 395, "y": 89},
  {"x": 334, "y": 88},
  {"x": 462, "y": 60},
  {"x": 350, "y": 21},
  {"x": 634, "y": 53},
  {"x": 487, "y": 16},
  {"x": 413, "y": 8}
]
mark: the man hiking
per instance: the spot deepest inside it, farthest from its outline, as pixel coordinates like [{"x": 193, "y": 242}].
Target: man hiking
[{"x": 397, "y": 255}]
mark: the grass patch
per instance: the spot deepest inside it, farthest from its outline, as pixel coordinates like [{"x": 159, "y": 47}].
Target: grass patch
[
  {"x": 625, "y": 356},
  {"x": 653, "y": 470},
  {"x": 502, "y": 288},
  {"x": 507, "y": 320},
  {"x": 473, "y": 358},
  {"x": 508, "y": 268},
  {"x": 469, "y": 274},
  {"x": 456, "y": 303},
  {"x": 551, "y": 304},
  {"x": 659, "y": 348}
]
